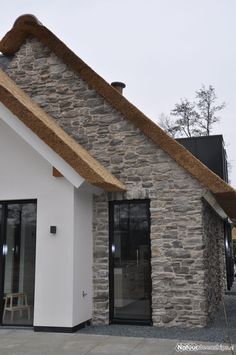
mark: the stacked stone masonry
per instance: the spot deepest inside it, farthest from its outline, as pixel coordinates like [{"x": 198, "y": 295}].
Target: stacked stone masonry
[
  {"x": 178, "y": 268},
  {"x": 214, "y": 259}
]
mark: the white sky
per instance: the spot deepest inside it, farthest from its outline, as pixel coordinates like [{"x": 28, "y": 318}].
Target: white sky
[{"x": 163, "y": 50}]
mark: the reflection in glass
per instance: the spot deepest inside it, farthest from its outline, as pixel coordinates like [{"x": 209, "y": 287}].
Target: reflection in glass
[
  {"x": 131, "y": 260},
  {"x": 19, "y": 265}
]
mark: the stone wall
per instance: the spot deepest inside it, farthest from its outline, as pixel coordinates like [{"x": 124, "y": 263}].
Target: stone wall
[
  {"x": 178, "y": 290},
  {"x": 214, "y": 259}
]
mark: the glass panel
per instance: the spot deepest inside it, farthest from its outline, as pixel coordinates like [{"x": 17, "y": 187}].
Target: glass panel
[
  {"x": 0, "y": 225},
  {"x": 131, "y": 261},
  {"x": 19, "y": 251},
  {"x": 1, "y": 260}
]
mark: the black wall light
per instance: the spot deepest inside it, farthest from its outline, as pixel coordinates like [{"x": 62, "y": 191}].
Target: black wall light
[{"x": 53, "y": 229}]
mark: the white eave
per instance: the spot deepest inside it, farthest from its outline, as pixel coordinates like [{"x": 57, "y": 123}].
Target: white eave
[{"x": 39, "y": 146}]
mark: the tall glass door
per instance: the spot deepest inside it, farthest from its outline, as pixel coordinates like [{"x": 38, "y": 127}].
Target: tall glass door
[
  {"x": 18, "y": 243},
  {"x": 130, "y": 271}
]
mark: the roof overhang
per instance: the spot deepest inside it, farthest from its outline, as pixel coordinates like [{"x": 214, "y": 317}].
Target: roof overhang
[
  {"x": 47, "y": 131},
  {"x": 227, "y": 201},
  {"x": 210, "y": 199}
]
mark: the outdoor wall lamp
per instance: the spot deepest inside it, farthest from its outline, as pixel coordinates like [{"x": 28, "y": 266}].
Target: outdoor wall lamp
[{"x": 53, "y": 229}]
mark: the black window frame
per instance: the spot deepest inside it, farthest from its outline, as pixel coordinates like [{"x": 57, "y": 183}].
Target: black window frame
[
  {"x": 113, "y": 320},
  {"x": 4, "y": 204}
]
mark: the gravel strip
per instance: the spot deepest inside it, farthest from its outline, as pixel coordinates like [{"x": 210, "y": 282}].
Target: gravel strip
[{"x": 214, "y": 332}]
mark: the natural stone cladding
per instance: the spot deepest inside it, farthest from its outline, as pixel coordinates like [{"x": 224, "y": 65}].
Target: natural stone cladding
[
  {"x": 214, "y": 259},
  {"x": 178, "y": 274}
]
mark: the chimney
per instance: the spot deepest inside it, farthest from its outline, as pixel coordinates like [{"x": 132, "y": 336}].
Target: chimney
[{"x": 118, "y": 86}]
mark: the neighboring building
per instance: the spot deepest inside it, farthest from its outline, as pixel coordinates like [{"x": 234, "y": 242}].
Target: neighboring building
[
  {"x": 104, "y": 217},
  {"x": 211, "y": 151}
]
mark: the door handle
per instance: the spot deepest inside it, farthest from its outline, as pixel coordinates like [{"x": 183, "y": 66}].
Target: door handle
[
  {"x": 137, "y": 258},
  {"x": 4, "y": 249}
]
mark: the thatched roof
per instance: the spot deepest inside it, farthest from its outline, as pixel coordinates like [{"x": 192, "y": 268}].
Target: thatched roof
[{"x": 28, "y": 25}]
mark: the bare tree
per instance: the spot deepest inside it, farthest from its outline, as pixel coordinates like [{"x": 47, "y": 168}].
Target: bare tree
[
  {"x": 206, "y": 99},
  {"x": 168, "y": 125},
  {"x": 186, "y": 118},
  {"x": 193, "y": 119}
]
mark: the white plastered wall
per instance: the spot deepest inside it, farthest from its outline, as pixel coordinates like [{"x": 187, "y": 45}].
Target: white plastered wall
[
  {"x": 61, "y": 274},
  {"x": 83, "y": 255}
]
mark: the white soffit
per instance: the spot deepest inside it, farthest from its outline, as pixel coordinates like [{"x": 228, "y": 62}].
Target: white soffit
[{"x": 42, "y": 148}]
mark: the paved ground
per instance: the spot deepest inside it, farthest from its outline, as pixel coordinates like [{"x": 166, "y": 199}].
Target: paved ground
[
  {"x": 26, "y": 342},
  {"x": 127, "y": 340}
]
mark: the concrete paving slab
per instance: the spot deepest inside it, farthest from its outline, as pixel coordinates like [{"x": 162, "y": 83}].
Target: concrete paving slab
[
  {"x": 116, "y": 345},
  {"x": 27, "y": 342},
  {"x": 83, "y": 344},
  {"x": 9, "y": 342},
  {"x": 155, "y": 347},
  {"x": 22, "y": 352}
]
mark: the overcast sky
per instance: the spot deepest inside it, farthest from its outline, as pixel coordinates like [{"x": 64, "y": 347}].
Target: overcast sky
[{"x": 163, "y": 50}]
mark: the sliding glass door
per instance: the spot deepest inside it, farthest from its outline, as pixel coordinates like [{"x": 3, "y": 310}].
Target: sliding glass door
[
  {"x": 17, "y": 268},
  {"x": 130, "y": 271}
]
